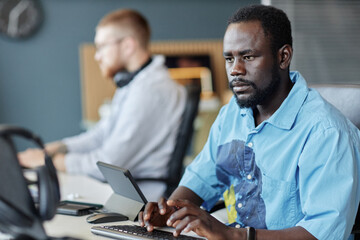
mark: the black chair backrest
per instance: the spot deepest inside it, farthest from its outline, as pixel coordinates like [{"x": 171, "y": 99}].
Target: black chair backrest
[
  {"x": 183, "y": 140},
  {"x": 356, "y": 227}
]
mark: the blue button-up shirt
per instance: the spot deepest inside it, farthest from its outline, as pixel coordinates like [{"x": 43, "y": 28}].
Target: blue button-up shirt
[{"x": 298, "y": 168}]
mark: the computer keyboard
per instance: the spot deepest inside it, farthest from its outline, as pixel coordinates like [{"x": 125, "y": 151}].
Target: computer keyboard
[{"x": 136, "y": 232}]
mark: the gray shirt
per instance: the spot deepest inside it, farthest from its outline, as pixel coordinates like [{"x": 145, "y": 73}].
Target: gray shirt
[{"x": 140, "y": 132}]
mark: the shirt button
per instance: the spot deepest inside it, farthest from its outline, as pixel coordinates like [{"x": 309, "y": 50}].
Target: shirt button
[
  {"x": 249, "y": 177},
  {"x": 240, "y": 205},
  {"x": 250, "y": 144},
  {"x": 237, "y": 226}
]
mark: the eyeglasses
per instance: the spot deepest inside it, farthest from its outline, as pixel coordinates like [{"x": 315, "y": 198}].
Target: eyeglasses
[{"x": 100, "y": 47}]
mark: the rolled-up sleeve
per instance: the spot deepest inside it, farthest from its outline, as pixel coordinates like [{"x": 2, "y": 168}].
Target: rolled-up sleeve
[{"x": 328, "y": 182}]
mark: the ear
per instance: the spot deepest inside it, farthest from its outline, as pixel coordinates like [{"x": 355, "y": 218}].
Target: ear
[
  {"x": 284, "y": 56},
  {"x": 129, "y": 46}
]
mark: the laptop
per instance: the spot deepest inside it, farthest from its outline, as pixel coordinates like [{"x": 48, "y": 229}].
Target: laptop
[{"x": 128, "y": 200}]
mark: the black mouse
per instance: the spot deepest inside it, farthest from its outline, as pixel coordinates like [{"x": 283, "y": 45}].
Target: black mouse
[{"x": 106, "y": 217}]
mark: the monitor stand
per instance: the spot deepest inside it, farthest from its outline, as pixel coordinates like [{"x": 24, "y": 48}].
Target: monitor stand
[{"x": 126, "y": 206}]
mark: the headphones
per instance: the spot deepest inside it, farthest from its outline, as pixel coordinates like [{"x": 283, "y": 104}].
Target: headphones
[
  {"x": 123, "y": 78},
  {"x": 19, "y": 216}
]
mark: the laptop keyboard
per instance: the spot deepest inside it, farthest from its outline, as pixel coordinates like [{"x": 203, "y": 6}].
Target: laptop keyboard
[{"x": 135, "y": 232}]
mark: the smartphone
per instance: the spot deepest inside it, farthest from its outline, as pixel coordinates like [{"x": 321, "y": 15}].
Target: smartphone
[{"x": 75, "y": 208}]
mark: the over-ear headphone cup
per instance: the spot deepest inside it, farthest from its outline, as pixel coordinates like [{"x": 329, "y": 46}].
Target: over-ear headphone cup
[
  {"x": 48, "y": 194},
  {"x": 123, "y": 78}
]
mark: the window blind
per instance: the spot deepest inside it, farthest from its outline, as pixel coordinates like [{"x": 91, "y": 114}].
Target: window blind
[{"x": 326, "y": 35}]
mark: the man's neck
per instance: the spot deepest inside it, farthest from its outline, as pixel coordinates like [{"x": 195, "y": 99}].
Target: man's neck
[
  {"x": 137, "y": 60},
  {"x": 265, "y": 111}
]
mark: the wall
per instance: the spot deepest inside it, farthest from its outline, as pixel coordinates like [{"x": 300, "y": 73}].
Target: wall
[
  {"x": 326, "y": 36},
  {"x": 40, "y": 76}
]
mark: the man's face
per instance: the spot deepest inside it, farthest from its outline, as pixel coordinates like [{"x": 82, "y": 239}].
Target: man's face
[
  {"x": 252, "y": 71},
  {"x": 108, "y": 51}
]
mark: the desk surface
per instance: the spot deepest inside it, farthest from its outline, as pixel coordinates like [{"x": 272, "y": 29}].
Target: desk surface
[
  {"x": 77, "y": 188},
  {"x": 84, "y": 189}
]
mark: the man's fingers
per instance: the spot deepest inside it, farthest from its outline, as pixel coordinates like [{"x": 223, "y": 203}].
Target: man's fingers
[
  {"x": 31, "y": 158},
  {"x": 183, "y": 225},
  {"x": 151, "y": 215},
  {"x": 175, "y": 223},
  {"x": 162, "y": 206},
  {"x": 180, "y": 214},
  {"x": 149, "y": 228},
  {"x": 149, "y": 208},
  {"x": 179, "y": 203},
  {"x": 141, "y": 219},
  {"x": 192, "y": 226}
]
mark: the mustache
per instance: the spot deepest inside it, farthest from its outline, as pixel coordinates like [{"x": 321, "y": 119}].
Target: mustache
[{"x": 238, "y": 80}]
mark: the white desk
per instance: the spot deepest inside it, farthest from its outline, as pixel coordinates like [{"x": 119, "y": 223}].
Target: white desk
[{"x": 87, "y": 190}]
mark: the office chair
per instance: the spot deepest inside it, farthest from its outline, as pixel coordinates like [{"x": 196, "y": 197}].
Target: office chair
[
  {"x": 346, "y": 98},
  {"x": 356, "y": 228},
  {"x": 183, "y": 139},
  {"x": 19, "y": 216}
]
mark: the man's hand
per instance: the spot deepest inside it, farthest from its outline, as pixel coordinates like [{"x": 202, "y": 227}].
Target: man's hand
[
  {"x": 186, "y": 215},
  {"x": 31, "y": 158},
  {"x": 55, "y": 147},
  {"x": 59, "y": 162},
  {"x": 190, "y": 217},
  {"x": 155, "y": 214}
]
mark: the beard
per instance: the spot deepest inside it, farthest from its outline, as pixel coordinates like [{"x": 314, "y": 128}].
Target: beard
[
  {"x": 260, "y": 95},
  {"x": 108, "y": 69}
]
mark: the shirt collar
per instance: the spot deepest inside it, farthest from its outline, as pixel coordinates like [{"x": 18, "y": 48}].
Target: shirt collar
[{"x": 284, "y": 117}]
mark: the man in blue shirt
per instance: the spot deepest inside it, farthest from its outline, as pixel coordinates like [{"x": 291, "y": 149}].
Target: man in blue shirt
[{"x": 284, "y": 160}]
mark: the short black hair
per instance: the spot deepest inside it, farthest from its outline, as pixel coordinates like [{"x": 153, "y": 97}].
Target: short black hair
[{"x": 274, "y": 21}]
